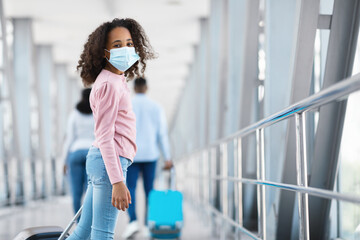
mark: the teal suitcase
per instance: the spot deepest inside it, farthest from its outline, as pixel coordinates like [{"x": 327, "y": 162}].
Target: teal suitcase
[{"x": 165, "y": 214}]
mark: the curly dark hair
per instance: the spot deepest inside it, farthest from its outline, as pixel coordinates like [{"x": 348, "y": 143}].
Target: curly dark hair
[
  {"x": 83, "y": 105},
  {"x": 92, "y": 59}
]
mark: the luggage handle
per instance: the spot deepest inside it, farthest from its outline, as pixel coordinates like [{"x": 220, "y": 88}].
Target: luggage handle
[
  {"x": 172, "y": 179},
  {"x": 164, "y": 183},
  {"x": 69, "y": 226}
]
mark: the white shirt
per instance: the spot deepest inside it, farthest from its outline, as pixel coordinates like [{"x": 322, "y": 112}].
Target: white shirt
[
  {"x": 151, "y": 130},
  {"x": 79, "y": 132}
]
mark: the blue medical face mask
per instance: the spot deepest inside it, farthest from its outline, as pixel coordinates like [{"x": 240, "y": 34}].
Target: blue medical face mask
[{"x": 123, "y": 58}]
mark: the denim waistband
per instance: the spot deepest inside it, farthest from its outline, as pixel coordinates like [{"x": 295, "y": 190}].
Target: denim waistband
[{"x": 95, "y": 150}]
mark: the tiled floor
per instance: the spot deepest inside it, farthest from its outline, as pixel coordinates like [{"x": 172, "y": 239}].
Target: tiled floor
[{"x": 58, "y": 212}]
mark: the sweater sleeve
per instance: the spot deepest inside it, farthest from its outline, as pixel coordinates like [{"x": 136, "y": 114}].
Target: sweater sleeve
[{"x": 107, "y": 102}]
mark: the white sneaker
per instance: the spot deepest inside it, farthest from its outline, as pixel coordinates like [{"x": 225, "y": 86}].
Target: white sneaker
[
  {"x": 131, "y": 229},
  {"x": 146, "y": 232}
]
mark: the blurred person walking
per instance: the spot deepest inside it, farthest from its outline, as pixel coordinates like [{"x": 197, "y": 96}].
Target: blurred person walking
[
  {"x": 79, "y": 137},
  {"x": 151, "y": 139},
  {"x": 111, "y": 55}
]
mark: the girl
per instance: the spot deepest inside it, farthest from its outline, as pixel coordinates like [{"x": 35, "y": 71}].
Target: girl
[{"x": 112, "y": 53}]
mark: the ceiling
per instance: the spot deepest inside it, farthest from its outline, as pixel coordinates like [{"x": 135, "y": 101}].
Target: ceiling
[{"x": 171, "y": 25}]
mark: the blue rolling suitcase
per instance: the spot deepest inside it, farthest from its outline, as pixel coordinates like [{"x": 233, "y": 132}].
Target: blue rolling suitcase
[{"x": 165, "y": 213}]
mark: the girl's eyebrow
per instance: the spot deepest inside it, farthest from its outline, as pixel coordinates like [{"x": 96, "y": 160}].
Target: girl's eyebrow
[
  {"x": 116, "y": 41},
  {"x": 120, "y": 41}
]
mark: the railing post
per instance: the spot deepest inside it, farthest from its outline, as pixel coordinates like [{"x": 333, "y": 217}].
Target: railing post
[
  {"x": 224, "y": 187},
  {"x": 301, "y": 172},
  {"x": 204, "y": 179},
  {"x": 200, "y": 179},
  {"x": 224, "y": 183},
  {"x": 212, "y": 184},
  {"x": 238, "y": 185},
  {"x": 260, "y": 174}
]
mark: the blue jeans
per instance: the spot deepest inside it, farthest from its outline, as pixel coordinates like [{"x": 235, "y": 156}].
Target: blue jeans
[
  {"x": 148, "y": 173},
  {"x": 77, "y": 175},
  {"x": 99, "y": 216}
]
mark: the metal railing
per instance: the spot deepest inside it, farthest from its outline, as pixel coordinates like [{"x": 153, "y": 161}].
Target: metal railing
[{"x": 198, "y": 170}]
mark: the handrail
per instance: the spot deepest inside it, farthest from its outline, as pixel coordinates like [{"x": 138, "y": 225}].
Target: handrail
[
  {"x": 334, "y": 92},
  {"x": 291, "y": 187},
  {"x": 321, "y": 98},
  {"x": 299, "y": 109}
]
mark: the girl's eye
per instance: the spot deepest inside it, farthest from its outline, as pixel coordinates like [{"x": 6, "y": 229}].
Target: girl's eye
[
  {"x": 117, "y": 46},
  {"x": 130, "y": 44}
]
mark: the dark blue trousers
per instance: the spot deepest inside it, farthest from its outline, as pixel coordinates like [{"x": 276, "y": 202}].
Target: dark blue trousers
[{"x": 147, "y": 170}]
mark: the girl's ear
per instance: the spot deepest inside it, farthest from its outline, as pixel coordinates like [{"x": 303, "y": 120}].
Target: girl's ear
[{"x": 106, "y": 54}]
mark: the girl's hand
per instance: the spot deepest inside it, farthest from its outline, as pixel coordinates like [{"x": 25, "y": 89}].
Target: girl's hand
[{"x": 120, "y": 196}]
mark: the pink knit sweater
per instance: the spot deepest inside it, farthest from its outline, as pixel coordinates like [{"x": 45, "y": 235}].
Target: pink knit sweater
[{"x": 115, "y": 127}]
